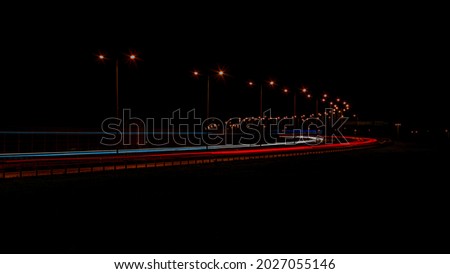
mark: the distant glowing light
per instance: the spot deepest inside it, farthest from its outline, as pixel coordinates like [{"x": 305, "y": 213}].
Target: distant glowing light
[
  {"x": 132, "y": 57},
  {"x": 250, "y": 83},
  {"x": 196, "y": 73},
  {"x": 304, "y": 90},
  {"x": 101, "y": 57},
  {"x": 221, "y": 72},
  {"x": 285, "y": 90},
  {"x": 325, "y": 95},
  {"x": 323, "y": 100},
  {"x": 344, "y": 103},
  {"x": 271, "y": 83},
  {"x": 338, "y": 99},
  {"x": 309, "y": 95}
]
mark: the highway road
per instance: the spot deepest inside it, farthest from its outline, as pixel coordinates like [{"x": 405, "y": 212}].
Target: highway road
[
  {"x": 112, "y": 152},
  {"x": 15, "y": 165}
]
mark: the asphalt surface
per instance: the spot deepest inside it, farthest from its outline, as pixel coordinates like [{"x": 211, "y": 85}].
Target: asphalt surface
[
  {"x": 155, "y": 150},
  {"x": 18, "y": 165},
  {"x": 390, "y": 199}
]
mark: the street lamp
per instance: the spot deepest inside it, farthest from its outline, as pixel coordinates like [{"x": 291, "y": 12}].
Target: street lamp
[
  {"x": 286, "y": 91},
  {"x": 131, "y": 57},
  {"x": 196, "y": 73},
  {"x": 304, "y": 90},
  {"x": 318, "y": 99},
  {"x": 323, "y": 100},
  {"x": 251, "y": 84}
]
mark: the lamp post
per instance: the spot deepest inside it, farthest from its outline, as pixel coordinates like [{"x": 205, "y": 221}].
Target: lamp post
[
  {"x": 317, "y": 98},
  {"x": 323, "y": 100},
  {"x": 220, "y": 73},
  {"x": 131, "y": 57},
  {"x": 251, "y": 84},
  {"x": 304, "y": 90}
]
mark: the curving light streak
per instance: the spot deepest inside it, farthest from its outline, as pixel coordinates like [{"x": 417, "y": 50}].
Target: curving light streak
[{"x": 305, "y": 140}]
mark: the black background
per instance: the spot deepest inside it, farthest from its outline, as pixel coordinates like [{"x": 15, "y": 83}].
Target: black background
[
  {"x": 383, "y": 59},
  {"x": 386, "y": 60}
]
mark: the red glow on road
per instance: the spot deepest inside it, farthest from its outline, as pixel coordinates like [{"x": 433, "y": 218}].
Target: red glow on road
[
  {"x": 357, "y": 143},
  {"x": 45, "y": 166},
  {"x": 353, "y": 142}
]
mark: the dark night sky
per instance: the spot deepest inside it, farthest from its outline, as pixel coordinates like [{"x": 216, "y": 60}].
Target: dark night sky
[{"x": 383, "y": 60}]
